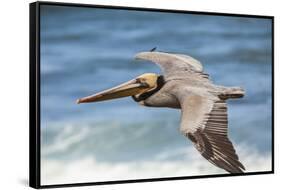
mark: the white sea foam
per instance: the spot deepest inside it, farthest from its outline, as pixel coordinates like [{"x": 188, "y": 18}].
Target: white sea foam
[
  {"x": 65, "y": 139},
  {"x": 87, "y": 169},
  {"x": 63, "y": 161}
]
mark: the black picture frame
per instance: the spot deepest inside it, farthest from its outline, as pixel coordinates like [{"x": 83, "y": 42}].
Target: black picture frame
[{"x": 34, "y": 93}]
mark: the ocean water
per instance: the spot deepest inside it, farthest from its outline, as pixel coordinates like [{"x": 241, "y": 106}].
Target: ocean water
[{"x": 86, "y": 50}]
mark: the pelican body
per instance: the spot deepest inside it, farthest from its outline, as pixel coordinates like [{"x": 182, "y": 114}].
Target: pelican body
[{"x": 185, "y": 86}]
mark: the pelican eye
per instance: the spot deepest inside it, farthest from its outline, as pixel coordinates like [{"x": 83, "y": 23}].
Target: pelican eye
[
  {"x": 142, "y": 82},
  {"x": 138, "y": 80}
]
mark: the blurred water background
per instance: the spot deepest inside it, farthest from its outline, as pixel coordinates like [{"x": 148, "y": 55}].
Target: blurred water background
[{"x": 86, "y": 50}]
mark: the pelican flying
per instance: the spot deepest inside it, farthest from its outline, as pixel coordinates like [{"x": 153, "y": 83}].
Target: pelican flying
[{"x": 185, "y": 86}]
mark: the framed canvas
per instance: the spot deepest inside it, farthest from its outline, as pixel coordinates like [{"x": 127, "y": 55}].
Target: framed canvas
[{"x": 123, "y": 94}]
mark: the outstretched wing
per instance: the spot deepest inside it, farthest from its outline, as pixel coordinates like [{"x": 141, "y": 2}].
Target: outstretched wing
[
  {"x": 204, "y": 122},
  {"x": 173, "y": 64}
]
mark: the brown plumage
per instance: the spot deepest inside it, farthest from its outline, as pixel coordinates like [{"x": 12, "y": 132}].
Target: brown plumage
[{"x": 185, "y": 86}]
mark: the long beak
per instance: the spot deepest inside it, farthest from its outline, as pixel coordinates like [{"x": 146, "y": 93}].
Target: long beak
[{"x": 129, "y": 88}]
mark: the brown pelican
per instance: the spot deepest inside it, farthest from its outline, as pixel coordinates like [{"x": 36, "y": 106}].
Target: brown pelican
[{"x": 185, "y": 86}]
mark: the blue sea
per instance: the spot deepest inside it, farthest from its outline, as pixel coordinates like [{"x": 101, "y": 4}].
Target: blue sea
[{"x": 86, "y": 50}]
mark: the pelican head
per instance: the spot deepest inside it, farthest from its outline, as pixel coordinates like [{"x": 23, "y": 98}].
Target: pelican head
[{"x": 135, "y": 87}]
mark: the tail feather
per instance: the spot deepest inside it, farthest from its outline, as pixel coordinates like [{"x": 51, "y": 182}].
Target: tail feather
[{"x": 232, "y": 92}]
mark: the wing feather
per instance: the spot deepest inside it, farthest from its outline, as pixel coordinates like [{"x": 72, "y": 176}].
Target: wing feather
[
  {"x": 173, "y": 63},
  {"x": 204, "y": 122}
]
